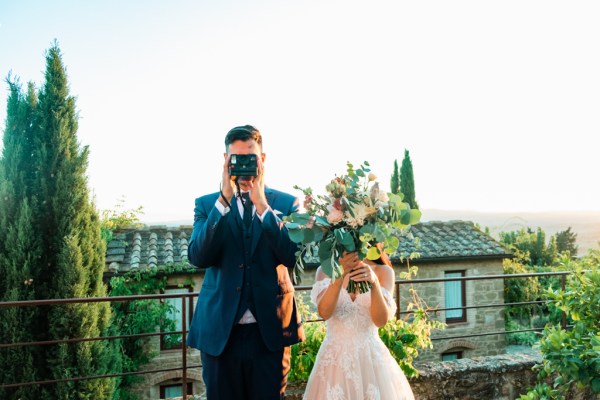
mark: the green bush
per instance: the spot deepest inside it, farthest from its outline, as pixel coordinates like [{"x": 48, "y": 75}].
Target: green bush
[
  {"x": 520, "y": 338},
  {"x": 571, "y": 358}
]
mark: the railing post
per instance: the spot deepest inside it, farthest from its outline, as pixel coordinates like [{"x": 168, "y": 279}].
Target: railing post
[
  {"x": 563, "y": 285},
  {"x": 397, "y": 299},
  {"x": 184, "y": 346}
]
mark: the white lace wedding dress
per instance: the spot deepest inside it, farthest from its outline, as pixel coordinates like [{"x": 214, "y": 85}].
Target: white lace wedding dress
[{"x": 353, "y": 363}]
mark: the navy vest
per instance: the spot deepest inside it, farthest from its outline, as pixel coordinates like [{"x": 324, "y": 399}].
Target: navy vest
[{"x": 246, "y": 301}]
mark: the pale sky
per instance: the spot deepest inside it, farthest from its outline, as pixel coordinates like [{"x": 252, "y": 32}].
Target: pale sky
[{"x": 497, "y": 102}]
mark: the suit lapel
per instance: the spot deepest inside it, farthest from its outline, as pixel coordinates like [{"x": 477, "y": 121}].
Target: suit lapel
[{"x": 257, "y": 225}]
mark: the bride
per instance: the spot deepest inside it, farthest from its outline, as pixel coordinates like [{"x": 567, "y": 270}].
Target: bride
[{"x": 352, "y": 362}]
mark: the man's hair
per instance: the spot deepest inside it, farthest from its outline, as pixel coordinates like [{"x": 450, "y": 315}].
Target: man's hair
[{"x": 243, "y": 133}]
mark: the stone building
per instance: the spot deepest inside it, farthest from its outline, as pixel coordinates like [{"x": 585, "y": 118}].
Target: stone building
[
  {"x": 447, "y": 250},
  {"x": 155, "y": 247},
  {"x": 454, "y": 249},
  {"x": 458, "y": 249}
]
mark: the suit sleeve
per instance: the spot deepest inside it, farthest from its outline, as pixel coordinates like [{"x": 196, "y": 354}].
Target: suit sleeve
[
  {"x": 277, "y": 235},
  {"x": 206, "y": 243}
]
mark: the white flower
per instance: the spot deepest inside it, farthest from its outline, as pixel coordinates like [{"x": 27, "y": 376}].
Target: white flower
[
  {"x": 361, "y": 213},
  {"x": 354, "y": 222},
  {"x": 334, "y": 216}
]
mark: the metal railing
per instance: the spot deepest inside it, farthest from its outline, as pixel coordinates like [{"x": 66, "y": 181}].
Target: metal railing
[{"x": 184, "y": 312}]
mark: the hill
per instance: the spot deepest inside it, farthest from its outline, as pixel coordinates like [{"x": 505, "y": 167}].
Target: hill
[{"x": 585, "y": 224}]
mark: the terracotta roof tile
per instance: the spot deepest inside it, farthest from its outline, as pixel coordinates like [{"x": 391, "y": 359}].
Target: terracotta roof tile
[{"x": 160, "y": 245}]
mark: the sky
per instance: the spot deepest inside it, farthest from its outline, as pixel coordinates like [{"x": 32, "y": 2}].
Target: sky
[{"x": 498, "y": 102}]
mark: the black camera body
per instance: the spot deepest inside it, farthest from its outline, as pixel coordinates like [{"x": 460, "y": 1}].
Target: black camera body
[{"x": 243, "y": 165}]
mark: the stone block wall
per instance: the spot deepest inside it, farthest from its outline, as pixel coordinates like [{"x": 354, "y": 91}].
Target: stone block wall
[
  {"x": 502, "y": 377},
  {"x": 479, "y": 320}
]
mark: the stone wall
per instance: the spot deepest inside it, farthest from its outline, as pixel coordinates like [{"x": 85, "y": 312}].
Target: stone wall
[
  {"x": 150, "y": 387},
  {"x": 502, "y": 377},
  {"x": 479, "y": 320}
]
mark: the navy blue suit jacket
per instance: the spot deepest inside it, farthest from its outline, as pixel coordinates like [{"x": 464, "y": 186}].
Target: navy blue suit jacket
[{"x": 216, "y": 246}]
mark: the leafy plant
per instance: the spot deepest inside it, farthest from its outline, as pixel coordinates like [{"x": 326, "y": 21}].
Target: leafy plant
[
  {"x": 304, "y": 354},
  {"x": 571, "y": 357},
  {"x": 406, "y": 336},
  {"x": 119, "y": 217},
  {"x": 521, "y": 338}
]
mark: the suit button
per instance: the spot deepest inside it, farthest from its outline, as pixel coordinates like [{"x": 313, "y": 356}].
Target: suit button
[
  {"x": 241, "y": 266},
  {"x": 238, "y": 289}
]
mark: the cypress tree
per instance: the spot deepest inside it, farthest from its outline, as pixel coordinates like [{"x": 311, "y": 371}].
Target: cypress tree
[
  {"x": 395, "y": 181},
  {"x": 567, "y": 241},
  {"x": 65, "y": 232},
  {"x": 19, "y": 249},
  {"x": 551, "y": 251},
  {"x": 539, "y": 248},
  {"x": 407, "y": 181}
]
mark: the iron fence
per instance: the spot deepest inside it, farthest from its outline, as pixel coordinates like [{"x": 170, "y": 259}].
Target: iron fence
[{"x": 184, "y": 297}]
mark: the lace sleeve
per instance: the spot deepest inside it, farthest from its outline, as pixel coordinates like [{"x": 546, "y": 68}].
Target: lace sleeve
[
  {"x": 389, "y": 300},
  {"x": 318, "y": 289}
]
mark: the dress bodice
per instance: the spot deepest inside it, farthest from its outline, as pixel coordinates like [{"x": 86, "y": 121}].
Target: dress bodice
[{"x": 351, "y": 319}]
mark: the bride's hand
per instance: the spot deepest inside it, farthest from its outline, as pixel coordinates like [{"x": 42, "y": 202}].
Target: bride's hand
[
  {"x": 349, "y": 261},
  {"x": 363, "y": 273}
]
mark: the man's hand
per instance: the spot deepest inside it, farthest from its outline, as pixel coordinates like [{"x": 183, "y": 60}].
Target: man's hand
[
  {"x": 257, "y": 189},
  {"x": 226, "y": 184}
]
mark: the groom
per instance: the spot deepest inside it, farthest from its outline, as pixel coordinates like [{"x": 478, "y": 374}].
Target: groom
[{"x": 246, "y": 316}]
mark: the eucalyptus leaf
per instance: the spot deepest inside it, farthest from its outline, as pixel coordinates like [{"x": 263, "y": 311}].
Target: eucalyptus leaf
[
  {"x": 327, "y": 266},
  {"x": 309, "y": 236},
  {"x": 325, "y": 249},
  {"x": 300, "y": 218},
  {"x": 392, "y": 244},
  {"x": 319, "y": 233},
  {"x": 373, "y": 253},
  {"x": 344, "y": 238},
  {"x": 415, "y": 217},
  {"x": 405, "y": 217},
  {"x": 296, "y": 235},
  {"x": 321, "y": 221}
]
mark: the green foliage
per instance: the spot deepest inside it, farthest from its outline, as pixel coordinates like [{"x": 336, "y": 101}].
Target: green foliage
[
  {"x": 18, "y": 244},
  {"x": 518, "y": 290},
  {"x": 405, "y": 337},
  {"x": 407, "y": 181},
  {"x": 520, "y": 338},
  {"x": 143, "y": 316},
  {"x": 533, "y": 245},
  {"x": 395, "y": 180},
  {"x": 572, "y": 357},
  {"x": 567, "y": 241},
  {"x": 304, "y": 354},
  {"x": 51, "y": 244},
  {"x": 119, "y": 217}
]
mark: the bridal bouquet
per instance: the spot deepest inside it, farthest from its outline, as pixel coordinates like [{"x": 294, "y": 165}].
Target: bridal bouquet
[{"x": 354, "y": 215}]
